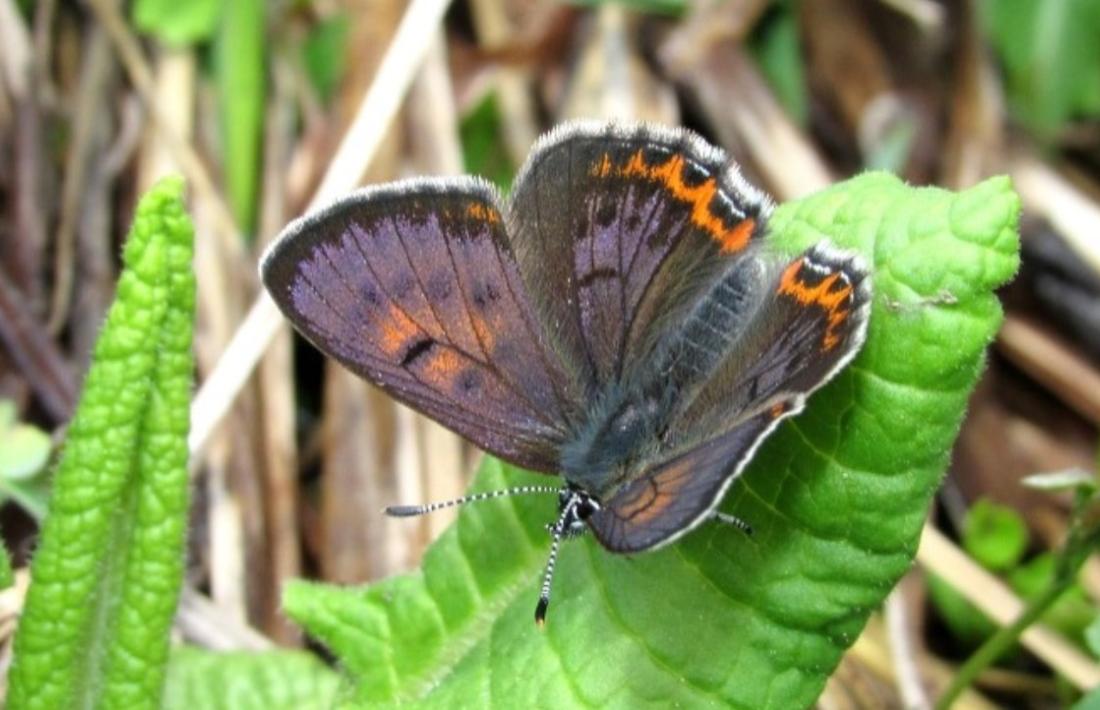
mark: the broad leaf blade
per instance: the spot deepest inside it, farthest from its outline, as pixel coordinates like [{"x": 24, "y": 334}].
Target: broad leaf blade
[
  {"x": 837, "y": 498},
  {"x": 272, "y": 680},
  {"x": 105, "y": 578}
]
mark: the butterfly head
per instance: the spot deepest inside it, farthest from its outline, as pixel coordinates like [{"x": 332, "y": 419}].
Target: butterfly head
[{"x": 575, "y": 506}]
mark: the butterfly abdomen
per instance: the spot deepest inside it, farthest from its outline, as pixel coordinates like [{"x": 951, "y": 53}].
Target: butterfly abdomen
[{"x": 713, "y": 325}]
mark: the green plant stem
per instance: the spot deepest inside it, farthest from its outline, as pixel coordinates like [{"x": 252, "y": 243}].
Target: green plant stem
[{"x": 1002, "y": 640}]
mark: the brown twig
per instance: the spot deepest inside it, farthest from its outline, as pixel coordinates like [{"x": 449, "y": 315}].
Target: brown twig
[
  {"x": 742, "y": 111},
  {"x": 903, "y": 651},
  {"x": 95, "y": 245},
  {"x": 494, "y": 28},
  {"x": 1058, "y": 367},
  {"x": 24, "y": 266},
  {"x": 279, "y": 456},
  {"x": 357, "y": 149},
  {"x": 1072, "y": 212},
  {"x": 34, "y": 352},
  {"x": 137, "y": 68},
  {"x": 206, "y": 624},
  {"x": 89, "y": 117},
  {"x": 983, "y": 590}
]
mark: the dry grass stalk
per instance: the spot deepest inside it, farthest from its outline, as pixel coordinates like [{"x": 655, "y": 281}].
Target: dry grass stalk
[
  {"x": 279, "y": 455},
  {"x": 357, "y": 149},
  {"x": 742, "y": 111},
  {"x": 1056, "y": 365},
  {"x": 941, "y": 557}
]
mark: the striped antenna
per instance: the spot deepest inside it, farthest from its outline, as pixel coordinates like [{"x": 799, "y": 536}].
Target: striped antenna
[
  {"x": 732, "y": 520},
  {"x": 548, "y": 576},
  {"x": 408, "y": 511}
]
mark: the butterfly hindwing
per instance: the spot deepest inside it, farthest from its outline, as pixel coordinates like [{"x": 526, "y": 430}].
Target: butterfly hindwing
[
  {"x": 414, "y": 286},
  {"x": 615, "y": 226},
  {"x": 673, "y": 497},
  {"x": 808, "y": 322}
]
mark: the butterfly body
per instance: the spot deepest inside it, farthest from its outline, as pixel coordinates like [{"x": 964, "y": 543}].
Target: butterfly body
[{"x": 618, "y": 320}]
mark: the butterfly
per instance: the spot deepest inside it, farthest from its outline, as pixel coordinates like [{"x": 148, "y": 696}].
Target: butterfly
[{"x": 618, "y": 320}]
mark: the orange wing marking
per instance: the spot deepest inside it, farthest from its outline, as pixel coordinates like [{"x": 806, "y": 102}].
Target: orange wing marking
[
  {"x": 826, "y": 295},
  {"x": 396, "y": 330},
  {"x": 482, "y": 213},
  {"x": 671, "y": 175},
  {"x": 656, "y": 495},
  {"x": 442, "y": 367}
]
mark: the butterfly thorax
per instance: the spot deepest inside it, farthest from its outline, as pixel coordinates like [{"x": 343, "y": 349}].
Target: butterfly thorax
[
  {"x": 629, "y": 422},
  {"x": 625, "y": 426}
]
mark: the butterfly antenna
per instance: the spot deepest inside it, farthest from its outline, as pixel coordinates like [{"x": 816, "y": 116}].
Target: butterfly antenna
[
  {"x": 733, "y": 521},
  {"x": 408, "y": 511},
  {"x": 556, "y": 532}
]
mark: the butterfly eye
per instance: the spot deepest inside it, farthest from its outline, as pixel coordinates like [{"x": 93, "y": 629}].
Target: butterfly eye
[{"x": 586, "y": 508}]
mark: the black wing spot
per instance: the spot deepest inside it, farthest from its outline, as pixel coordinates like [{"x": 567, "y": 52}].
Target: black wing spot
[
  {"x": 484, "y": 295},
  {"x": 693, "y": 174},
  {"x": 597, "y": 274},
  {"x": 439, "y": 289},
  {"x": 405, "y": 286},
  {"x": 606, "y": 214},
  {"x": 581, "y": 229},
  {"x": 416, "y": 350},
  {"x": 469, "y": 381},
  {"x": 370, "y": 295}
]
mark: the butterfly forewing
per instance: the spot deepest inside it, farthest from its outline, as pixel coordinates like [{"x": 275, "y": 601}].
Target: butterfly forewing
[
  {"x": 616, "y": 226},
  {"x": 415, "y": 287}
]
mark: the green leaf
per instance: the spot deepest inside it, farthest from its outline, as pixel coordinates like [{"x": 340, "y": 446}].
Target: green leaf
[
  {"x": 7, "y": 576},
  {"x": 33, "y": 496},
  {"x": 994, "y": 535},
  {"x": 323, "y": 54},
  {"x": 1051, "y": 57},
  {"x": 205, "y": 680},
  {"x": 1090, "y": 701},
  {"x": 837, "y": 498},
  {"x": 94, "y": 631},
  {"x": 240, "y": 74},
  {"x": 1071, "y": 614},
  {"x": 483, "y": 149},
  {"x": 655, "y": 7},
  {"x": 24, "y": 449},
  {"x": 968, "y": 624},
  {"x": 777, "y": 48},
  {"x": 24, "y": 453},
  {"x": 1092, "y": 637},
  {"x": 177, "y": 23}
]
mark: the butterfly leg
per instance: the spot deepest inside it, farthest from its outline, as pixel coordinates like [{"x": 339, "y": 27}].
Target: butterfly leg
[{"x": 733, "y": 520}]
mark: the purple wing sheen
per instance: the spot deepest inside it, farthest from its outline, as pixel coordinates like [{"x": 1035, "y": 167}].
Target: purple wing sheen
[
  {"x": 811, "y": 320},
  {"x": 414, "y": 286},
  {"x": 616, "y": 227},
  {"x": 671, "y": 498},
  {"x": 808, "y": 320}
]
